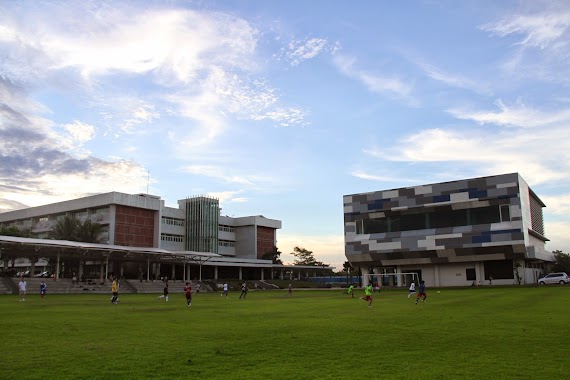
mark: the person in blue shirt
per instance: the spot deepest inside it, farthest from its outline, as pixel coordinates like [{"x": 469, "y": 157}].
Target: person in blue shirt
[
  {"x": 422, "y": 292},
  {"x": 43, "y": 288}
]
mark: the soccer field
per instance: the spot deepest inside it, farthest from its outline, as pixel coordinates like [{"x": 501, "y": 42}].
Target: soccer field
[{"x": 481, "y": 333}]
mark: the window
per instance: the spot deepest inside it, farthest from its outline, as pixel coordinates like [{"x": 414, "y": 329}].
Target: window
[
  {"x": 225, "y": 228},
  {"x": 470, "y": 274},
  {"x": 226, "y": 243},
  {"x": 505, "y": 213},
  {"x": 172, "y": 238},
  {"x": 172, "y": 221}
]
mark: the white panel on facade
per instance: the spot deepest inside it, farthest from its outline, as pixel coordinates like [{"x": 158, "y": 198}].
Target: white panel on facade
[
  {"x": 459, "y": 197},
  {"x": 348, "y": 209},
  {"x": 422, "y": 190},
  {"x": 510, "y": 184},
  {"x": 385, "y": 246},
  {"x": 390, "y": 194}
]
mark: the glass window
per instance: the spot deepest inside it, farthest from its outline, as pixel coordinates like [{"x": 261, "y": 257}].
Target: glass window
[{"x": 505, "y": 213}]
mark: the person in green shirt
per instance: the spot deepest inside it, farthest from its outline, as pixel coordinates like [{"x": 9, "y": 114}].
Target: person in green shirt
[
  {"x": 368, "y": 294},
  {"x": 350, "y": 290}
]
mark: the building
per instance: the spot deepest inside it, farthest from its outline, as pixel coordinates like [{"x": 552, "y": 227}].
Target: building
[
  {"x": 458, "y": 233},
  {"x": 194, "y": 234}
]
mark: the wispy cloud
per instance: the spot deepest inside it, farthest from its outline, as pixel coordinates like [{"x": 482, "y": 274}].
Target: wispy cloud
[
  {"x": 455, "y": 80},
  {"x": 298, "y": 51},
  {"x": 228, "y": 196},
  {"x": 389, "y": 85},
  {"x": 79, "y": 131},
  {"x": 216, "y": 172}
]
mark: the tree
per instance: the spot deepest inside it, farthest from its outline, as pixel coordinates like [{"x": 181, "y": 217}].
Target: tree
[
  {"x": 306, "y": 257},
  {"x": 89, "y": 232},
  {"x": 65, "y": 229},
  {"x": 561, "y": 262},
  {"x": 347, "y": 267},
  {"x": 273, "y": 255}
]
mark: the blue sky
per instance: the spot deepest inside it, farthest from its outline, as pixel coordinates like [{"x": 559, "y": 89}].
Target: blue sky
[{"x": 281, "y": 107}]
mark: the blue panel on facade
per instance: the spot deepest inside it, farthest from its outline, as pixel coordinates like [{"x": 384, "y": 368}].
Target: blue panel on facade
[
  {"x": 474, "y": 193},
  {"x": 441, "y": 198},
  {"x": 376, "y": 205},
  {"x": 481, "y": 239}
]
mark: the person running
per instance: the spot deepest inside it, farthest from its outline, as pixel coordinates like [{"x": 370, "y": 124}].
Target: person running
[
  {"x": 164, "y": 292},
  {"x": 115, "y": 291},
  {"x": 225, "y": 289},
  {"x": 350, "y": 290},
  {"x": 243, "y": 290},
  {"x": 43, "y": 289},
  {"x": 422, "y": 292},
  {"x": 22, "y": 286},
  {"x": 412, "y": 289},
  {"x": 188, "y": 294},
  {"x": 290, "y": 289},
  {"x": 368, "y": 294}
]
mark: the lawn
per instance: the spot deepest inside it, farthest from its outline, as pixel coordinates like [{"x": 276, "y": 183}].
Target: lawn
[{"x": 480, "y": 333}]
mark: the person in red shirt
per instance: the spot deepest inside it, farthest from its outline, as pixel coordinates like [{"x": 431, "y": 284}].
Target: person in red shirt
[{"x": 188, "y": 294}]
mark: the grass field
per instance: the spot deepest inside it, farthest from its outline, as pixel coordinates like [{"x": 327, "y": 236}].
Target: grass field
[{"x": 482, "y": 333}]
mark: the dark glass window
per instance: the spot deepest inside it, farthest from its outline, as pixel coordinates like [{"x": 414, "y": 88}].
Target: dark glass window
[
  {"x": 375, "y": 226},
  {"x": 470, "y": 274},
  {"x": 505, "y": 213},
  {"x": 485, "y": 215}
]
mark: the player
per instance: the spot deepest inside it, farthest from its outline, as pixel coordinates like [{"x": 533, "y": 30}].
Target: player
[
  {"x": 188, "y": 294},
  {"x": 164, "y": 292},
  {"x": 412, "y": 289},
  {"x": 115, "y": 291},
  {"x": 22, "y": 285},
  {"x": 290, "y": 289},
  {"x": 350, "y": 290},
  {"x": 368, "y": 294},
  {"x": 225, "y": 289},
  {"x": 422, "y": 292},
  {"x": 43, "y": 288},
  {"x": 243, "y": 290}
]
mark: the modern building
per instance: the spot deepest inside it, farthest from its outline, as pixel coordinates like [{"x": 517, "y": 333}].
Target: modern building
[
  {"x": 194, "y": 234},
  {"x": 458, "y": 233}
]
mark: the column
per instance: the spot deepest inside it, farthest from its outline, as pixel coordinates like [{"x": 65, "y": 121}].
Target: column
[
  {"x": 399, "y": 277},
  {"x": 184, "y": 278},
  {"x": 299, "y": 275},
  {"x": 148, "y": 269},
  {"x": 240, "y": 273},
  {"x": 57, "y": 268},
  {"x": 262, "y": 274},
  {"x": 106, "y": 269},
  {"x": 291, "y": 274},
  {"x": 102, "y": 272},
  {"x": 365, "y": 277},
  {"x": 216, "y": 272},
  {"x": 173, "y": 272},
  {"x": 80, "y": 270}
]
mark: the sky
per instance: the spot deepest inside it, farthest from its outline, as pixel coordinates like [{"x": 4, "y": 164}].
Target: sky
[{"x": 279, "y": 108}]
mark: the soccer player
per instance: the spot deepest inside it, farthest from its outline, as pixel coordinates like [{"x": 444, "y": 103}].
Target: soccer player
[
  {"x": 115, "y": 291},
  {"x": 368, "y": 294},
  {"x": 412, "y": 289},
  {"x": 225, "y": 289},
  {"x": 422, "y": 292},
  {"x": 43, "y": 288},
  {"x": 350, "y": 290},
  {"x": 164, "y": 292},
  {"x": 22, "y": 285},
  {"x": 188, "y": 294},
  {"x": 243, "y": 290},
  {"x": 290, "y": 289}
]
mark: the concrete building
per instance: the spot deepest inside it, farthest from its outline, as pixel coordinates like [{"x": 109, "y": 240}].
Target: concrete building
[
  {"x": 458, "y": 233},
  {"x": 221, "y": 246}
]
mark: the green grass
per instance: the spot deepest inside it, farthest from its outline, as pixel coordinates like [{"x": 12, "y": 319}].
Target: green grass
[{"x": 483, "y": 333}]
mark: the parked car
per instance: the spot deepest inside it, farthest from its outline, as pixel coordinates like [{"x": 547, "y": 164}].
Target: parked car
[
  {"x": 42, "y": 274},
  {"x": 554, "y": 278}
]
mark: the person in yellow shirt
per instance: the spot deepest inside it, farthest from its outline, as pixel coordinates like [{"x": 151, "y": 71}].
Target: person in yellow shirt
[
  {"x": 115, "y": 291},
  {"x": 368, "y": 294}
]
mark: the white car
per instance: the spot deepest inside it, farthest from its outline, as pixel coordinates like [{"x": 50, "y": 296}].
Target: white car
[{"x": 554, "y": 278}]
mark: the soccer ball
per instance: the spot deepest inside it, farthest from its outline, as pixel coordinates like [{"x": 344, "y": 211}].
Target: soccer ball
[{"x": 438, "y": 292}]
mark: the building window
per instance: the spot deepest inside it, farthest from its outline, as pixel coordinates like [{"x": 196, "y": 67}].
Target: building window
[
  {"x": 172, "y": 221},
  {"x": 470, "y": 274},
  {"x": 505, "y": 213},
  {"x": 225, "y": 228},
  {"x": 171, "y": 238},
  {"x": 226, "y": 243}
]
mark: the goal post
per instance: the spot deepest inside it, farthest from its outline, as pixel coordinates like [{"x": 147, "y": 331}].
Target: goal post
[{"x": 371, "y": 277}]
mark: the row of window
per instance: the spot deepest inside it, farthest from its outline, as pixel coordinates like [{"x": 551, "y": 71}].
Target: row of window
[
  {"x": 226, "y": 228},
  {"x": 226, "y": 243},
  {"x": 172, "y": 221},
  {"x": 439, "y": 219},
  {"x": 173, "y": 238}
]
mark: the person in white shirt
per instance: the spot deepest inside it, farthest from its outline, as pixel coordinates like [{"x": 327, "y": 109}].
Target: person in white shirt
[
  {"x": 225, "y": 289},
  {"x": 22, "y": 289},
  {"x": 412, "y": 289}
]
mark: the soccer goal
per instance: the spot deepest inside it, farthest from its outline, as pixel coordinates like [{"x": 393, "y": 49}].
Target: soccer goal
[{"x": 415, "y": 277}]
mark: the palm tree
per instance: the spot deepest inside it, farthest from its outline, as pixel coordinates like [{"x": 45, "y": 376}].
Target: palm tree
[
  {"x": 65, "y": 229},
  {"x": 89, "y": 232}
]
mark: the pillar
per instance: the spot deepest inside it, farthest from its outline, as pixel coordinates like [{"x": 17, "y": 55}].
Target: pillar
[
  {"x": 80, "y": 270},
  {"x": 262, "y": 275},
  {"x": 399, "y": 277},
  {"x": 216, "y": 272},
  {"x": 281, "y": 274},
  {"x": 102, "y": 272},
  {"x": 291, "y": 274},
  {"x": 365, "y": 277},
  {"x": 240, "y": 273},
  {"x": 33, "y": 269},
  {"x": 147, "y": 269},
  {"x": 173, "y": 272},
  {"x": 57, "y": 268},
  {"x": 299, "y": 275},
  {"x": 106, "y": 269}
]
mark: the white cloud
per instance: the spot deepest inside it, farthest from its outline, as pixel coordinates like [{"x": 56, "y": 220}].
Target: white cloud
[
  {"x": 455, "y": 80},
  {"x": 559, "y": 237},
  {"x": 228, "y": 196},
  {"x": 557, "y": 204},
  {"x": 81, "y": 132},
  {"x": 217, "y": 172},
  {"x": 300, "y": 51},
  {"x": 539, "y": 30},
  {"x": 377, "y": 83}
]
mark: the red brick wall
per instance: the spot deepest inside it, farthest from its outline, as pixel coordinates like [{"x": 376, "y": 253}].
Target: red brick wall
[
  {"x": 134, "y": 226},
  {"x": 265, "y": 240}
]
